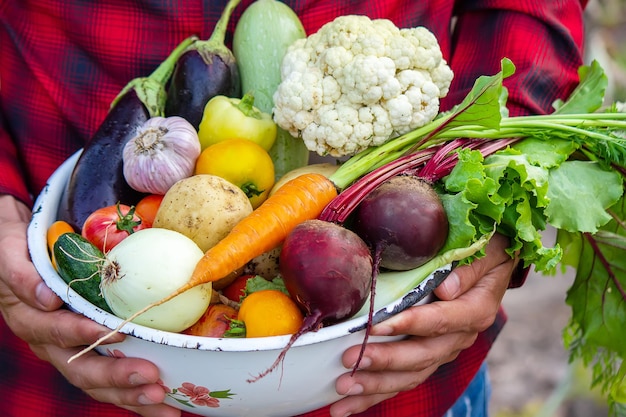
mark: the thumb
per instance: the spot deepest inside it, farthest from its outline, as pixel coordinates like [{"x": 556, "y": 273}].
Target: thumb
[
  {"x": 465, "y": 277},
  {"x": 450, "y": 288}
]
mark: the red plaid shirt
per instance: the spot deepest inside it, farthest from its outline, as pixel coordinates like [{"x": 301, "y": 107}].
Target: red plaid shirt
[{"x": 62, "y": 63}]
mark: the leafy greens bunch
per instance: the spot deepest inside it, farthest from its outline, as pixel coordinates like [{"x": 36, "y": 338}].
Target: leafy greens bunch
[{"x": 517, "y": 175}]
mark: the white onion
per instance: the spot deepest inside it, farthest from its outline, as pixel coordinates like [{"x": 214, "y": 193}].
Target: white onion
[{"x": 147, "y": 266}]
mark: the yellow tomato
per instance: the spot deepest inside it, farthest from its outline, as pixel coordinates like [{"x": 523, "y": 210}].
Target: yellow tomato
[
  {"x": 242, "y": 163},
  {"x": 269, "y": 313}
]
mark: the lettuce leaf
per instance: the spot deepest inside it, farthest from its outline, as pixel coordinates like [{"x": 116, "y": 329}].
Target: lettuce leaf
[
  {"x": 522, "y": 193},
  {"x": 576, "y": 205}
]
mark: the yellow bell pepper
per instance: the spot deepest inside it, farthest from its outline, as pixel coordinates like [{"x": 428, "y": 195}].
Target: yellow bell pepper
[{"x": 232, "y": 118}]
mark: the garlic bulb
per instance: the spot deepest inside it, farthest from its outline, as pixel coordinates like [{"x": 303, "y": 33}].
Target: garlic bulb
[{"x": 164, "y": 151}]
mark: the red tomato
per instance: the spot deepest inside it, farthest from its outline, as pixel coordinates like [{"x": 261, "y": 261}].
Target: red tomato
[
  {"x": 236, "y": 289},
  {"x": 148, "y": 206},
  {"x": 108, "y": 226}
]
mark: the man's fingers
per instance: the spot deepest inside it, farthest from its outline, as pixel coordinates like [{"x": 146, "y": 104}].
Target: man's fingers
[
  {"x": 357, "y": 404},
  {"x": 410, "y": 354},
  {"x": 62, "y": 327}
]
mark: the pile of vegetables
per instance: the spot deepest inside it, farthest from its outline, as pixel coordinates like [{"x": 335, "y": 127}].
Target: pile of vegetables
[{"x": 177, "y": 221}]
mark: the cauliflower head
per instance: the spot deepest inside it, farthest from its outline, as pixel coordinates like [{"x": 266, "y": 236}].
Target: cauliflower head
[{"x": 359, "y": 82}]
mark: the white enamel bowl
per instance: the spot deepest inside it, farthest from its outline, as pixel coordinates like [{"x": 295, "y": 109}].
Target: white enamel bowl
[{"x": 208, "y": 376}]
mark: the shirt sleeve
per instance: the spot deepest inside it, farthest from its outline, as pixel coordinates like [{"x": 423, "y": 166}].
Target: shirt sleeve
[
  {"x": 543, "y": 39},
  {"x": 12, "y": 176}
]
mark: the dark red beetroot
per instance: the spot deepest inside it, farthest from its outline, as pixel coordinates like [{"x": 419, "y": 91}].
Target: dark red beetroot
[
  {"x": 403, "y": 220},
  {"x": 327, "y": 269}
]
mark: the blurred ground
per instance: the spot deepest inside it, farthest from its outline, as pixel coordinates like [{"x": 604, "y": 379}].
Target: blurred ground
[
  {"x": 529, "y": 367},
  {"x": 528, "y": 360}
]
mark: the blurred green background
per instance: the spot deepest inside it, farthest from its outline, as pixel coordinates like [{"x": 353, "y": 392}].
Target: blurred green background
[{"x": 606, "y": 36}]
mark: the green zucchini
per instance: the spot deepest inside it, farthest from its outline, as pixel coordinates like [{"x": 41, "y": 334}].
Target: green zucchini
[
  {"x": 262, "y": 35},
  {"x": 79, "y": 262}
]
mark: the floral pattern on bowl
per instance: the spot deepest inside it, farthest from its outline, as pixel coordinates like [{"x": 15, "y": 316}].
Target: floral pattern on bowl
[
  {"x": 192, "y": 395},
  {"x": 188, "y": 394}
]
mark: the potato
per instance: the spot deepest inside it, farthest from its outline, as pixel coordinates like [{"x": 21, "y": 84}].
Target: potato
[
  {"x": 265, "y": 265},
  {"x": 326, "y": 169},
  {"x": 204, "y": 208}
]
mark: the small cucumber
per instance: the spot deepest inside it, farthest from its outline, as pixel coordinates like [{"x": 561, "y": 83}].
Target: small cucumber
[
  {"x": 78, "y": 263},
  {"x": 262, "y": 35}
]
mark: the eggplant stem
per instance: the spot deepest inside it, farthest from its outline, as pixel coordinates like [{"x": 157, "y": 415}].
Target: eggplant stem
[
  {"x": 163, "y": 72},
  {"x": 219, "y": 31},
  {"x": 151, "y": 89},
  {"x": 215, "y": 45}
]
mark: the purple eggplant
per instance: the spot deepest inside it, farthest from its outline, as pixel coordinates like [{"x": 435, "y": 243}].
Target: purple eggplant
[
  {"x": 97, "y": 179},
  {"x": 206, "y": 69}
]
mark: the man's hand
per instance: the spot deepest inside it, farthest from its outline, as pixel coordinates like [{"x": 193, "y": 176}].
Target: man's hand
[
  {"x": 469, "y": 300},
  {"x": 33, "y": 312}
]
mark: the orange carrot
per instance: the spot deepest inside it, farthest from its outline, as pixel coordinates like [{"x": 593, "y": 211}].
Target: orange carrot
[
  {"x": 55, "y": 230},
  {"x": 302, "y": 198}
]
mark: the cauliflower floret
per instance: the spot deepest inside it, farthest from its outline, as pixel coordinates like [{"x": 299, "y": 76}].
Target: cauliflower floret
[{"x": 359, "y": 82}]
